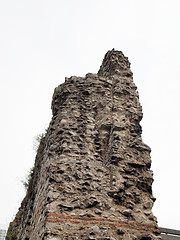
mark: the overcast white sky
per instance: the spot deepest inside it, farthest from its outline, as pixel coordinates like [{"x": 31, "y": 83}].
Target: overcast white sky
[{"x": 44, "y": 41}]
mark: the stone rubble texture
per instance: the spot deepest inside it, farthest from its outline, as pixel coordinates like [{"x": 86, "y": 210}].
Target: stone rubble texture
[{"x": 92, "y": 177}]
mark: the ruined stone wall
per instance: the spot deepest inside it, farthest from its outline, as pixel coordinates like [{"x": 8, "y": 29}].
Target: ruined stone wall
[{"x": 92, "y": 179}]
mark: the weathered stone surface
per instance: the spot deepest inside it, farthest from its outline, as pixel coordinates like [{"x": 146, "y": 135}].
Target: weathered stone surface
[{"x": 92, "y": 177}]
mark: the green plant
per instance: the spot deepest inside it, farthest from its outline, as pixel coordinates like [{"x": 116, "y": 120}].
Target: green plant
[
  {"x": 11, "y": 234},
  {"x": 57, "y": 91},
  {"x": 28, "y": 179},
  {"x": 38, "y": 146},
  {"x": 38, "y": 139}
]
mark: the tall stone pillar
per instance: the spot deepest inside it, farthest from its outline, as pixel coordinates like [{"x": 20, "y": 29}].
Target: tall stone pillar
[{"x": 92, "y": 177}]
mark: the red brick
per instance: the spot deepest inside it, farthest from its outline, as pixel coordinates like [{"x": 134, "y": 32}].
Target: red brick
[{"x": 112, "y": 224}]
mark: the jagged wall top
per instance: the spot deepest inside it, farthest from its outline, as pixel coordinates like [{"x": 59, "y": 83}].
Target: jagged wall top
[
  {"x": 92, "y": 167},
  {"x": 115, "y": 63}
]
